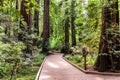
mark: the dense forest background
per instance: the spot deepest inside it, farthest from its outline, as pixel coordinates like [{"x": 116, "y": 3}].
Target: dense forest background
[{"x": 29, "y": 27}]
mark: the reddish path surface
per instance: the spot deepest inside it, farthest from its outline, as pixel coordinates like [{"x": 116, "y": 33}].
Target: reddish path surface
[{"x": 56, "y": 68}]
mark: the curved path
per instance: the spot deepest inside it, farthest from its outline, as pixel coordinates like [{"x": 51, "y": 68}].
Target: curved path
[{"x": 56, "y": 68}]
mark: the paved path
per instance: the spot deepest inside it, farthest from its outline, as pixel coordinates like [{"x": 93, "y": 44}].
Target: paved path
[{"x": 56, "y": 68}]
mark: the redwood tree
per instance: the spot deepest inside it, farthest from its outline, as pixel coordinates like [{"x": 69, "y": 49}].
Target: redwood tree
[
  {"x": 73, "y": 31},
  {"x": 109, "y": 57},
  {"x": 26, "y": 16},
  {"x": 67, "y": 25},
  {"x": 67, "y": 35},
  {"x": 46, "y": 27}
]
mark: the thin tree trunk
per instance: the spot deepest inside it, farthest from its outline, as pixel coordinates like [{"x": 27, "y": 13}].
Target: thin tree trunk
[
  {"x": 73, "y": 23},
  {"x": 67, "y": 35},
  {"x": 26, "y": 18},
  {"x": 67, "y": 25},
  {"x": 46, "y": 27},
  {"x": 17, "y": 4},
  {"x": 36, "y": 19},
  {"x": 29, "y": 23}
]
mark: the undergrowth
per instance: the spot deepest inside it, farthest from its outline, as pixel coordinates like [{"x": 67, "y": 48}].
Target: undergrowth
[
  {"x": 29, "y": 73},
  {"x": 78, "y": 60}
]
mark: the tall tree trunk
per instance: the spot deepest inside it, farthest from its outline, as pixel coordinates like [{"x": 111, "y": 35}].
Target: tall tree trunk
[
  {"x": 36, "y": 19},
  {"x": 67, "y": 25},
  {"x": 67, "y": 35},
  {"x": 102, "y": 61},
  {"x": 108, "y": 41},
  {"x": 73, "y": 23},
  {"x": 115, "y": 47},
  {"x": 26, "y": 17},
  {"x": 29, "y": 23},
  {"x": 46, "y": 27}
]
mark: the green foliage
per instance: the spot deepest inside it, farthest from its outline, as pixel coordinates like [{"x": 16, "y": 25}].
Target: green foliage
[
  {"x": 11, "y": 58},
  {"x": 38, "y": 59},
  {"x": 57, "y": 22},
  {"x": 56, "y": 43},
  {"x": 12, "y": 51},
  {"x": 18, "y": 55},
  {"x": 29, "y": 73},
  {"x": 76, "y": 49},
  {"x": 1, "y": 29},
  {"x": 79, "y": 61},
  {"x": 89, "y": 24},
  {"x": 30, "y": 5}
]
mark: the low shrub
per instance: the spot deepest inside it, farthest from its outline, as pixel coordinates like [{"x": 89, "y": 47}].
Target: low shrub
[{"x": 78, "y": 59}]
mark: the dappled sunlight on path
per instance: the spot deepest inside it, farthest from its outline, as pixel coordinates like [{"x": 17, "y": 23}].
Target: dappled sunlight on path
[
  {"x": 50, "y": 64},
  {"x": 56, "y": 68}
]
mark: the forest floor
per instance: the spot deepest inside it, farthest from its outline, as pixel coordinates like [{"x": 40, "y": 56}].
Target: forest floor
[{"x": 56, "y": 68}]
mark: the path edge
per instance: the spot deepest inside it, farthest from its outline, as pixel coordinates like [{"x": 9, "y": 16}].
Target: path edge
[
  {"x": 91, "y": 72},
  {"x": 40, "y": 69}
]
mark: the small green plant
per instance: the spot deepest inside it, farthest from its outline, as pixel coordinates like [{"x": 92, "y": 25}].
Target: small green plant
[{"x": 76, "y": 49}]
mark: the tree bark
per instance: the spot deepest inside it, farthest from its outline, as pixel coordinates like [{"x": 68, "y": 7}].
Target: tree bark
[
  {"x": 102, "y": 61},
  {"x": 67, "y": 25},
  {"x": 36, "y": 19},
  {"x": 29, "y": 23},
  {"x": 27, "y": 17},
  {"x": 115, "y": 13},
  {"x": 115, "y": 38},
  {"x": 107, "y": 59},
  {"x": 46, "y": 27},
  {"x": 73, "y": 31}
]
